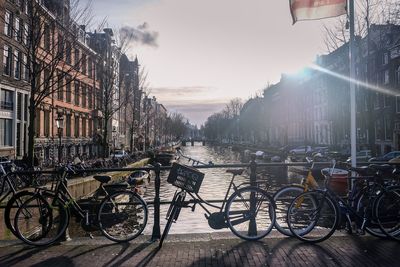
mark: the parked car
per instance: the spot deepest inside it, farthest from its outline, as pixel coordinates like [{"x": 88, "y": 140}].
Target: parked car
[
  {"x": 119, "y": 154},
  {"x": 386, "y": 157},
  {"x": 301, "y": 150},
  {"x": 361, "y": 156}
]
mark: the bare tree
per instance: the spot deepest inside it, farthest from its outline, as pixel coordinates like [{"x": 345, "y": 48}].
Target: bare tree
[{"x": 47, "y": 38}]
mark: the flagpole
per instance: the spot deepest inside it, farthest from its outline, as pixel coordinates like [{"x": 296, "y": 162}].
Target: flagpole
[{"x": 352, "y": 59}]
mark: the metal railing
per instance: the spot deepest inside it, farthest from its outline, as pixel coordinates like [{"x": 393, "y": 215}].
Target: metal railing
[{"x": 253, "y": 166}]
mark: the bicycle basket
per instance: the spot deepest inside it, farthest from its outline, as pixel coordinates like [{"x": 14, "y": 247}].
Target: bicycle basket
[{"x": 185, "y": 177}]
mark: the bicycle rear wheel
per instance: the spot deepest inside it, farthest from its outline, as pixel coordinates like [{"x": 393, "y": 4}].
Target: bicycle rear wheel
[
  {"x": 283, "y": 197},
  {"x": 313, "y": 216},
  {"x": 13, "y": 204},
  {"x": 122, "y": 216},
  {"x": 250, "y": 213},
  {"x": 39, "y": 223},
  {"x": 387, "y": 211},
  {"x": 173, "y": 214}
]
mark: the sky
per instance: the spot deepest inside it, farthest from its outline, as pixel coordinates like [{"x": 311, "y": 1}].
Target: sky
[{"x": 203, "y": 53}]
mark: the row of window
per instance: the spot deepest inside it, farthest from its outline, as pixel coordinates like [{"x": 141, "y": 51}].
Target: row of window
[
  {"x": 15, "y": 27},
  {"x": 15, "y": 63},
  {"x": 83, "y": 94},
  {"x": 82, "y": 127}
]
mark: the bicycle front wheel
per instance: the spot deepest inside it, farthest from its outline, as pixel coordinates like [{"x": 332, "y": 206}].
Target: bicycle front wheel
[
  {"x": 283, "y": 197},
  {"x": 313, "y": 216},
  {"x": 387, "y": 212},
  {"x": 250, "y": 213},
  {"x": 122, "y": 216},
  {"x": 39, "y": 223},
  {"x": 173, "y": 214}
]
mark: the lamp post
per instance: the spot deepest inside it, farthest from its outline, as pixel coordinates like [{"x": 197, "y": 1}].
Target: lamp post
[
  {"x": 60, "y": 126},
  {"x": 114, "y": 133}
]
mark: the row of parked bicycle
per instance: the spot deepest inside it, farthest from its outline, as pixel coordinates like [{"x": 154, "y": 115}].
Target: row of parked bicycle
[{"x": 312, "y": 213}]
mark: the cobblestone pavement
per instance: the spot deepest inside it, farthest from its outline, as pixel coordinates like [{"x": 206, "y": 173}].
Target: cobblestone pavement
[{"x": 206, "y": 250}]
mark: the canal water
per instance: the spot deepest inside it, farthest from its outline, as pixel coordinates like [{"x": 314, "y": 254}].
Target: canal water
[{"x": 214, "y": 187}]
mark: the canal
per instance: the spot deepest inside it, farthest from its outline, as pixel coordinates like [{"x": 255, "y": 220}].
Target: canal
[{"x": 214, "y": 186}]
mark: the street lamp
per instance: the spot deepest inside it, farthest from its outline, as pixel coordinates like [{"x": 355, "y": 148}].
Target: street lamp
[{"x": 60, "y": 126}]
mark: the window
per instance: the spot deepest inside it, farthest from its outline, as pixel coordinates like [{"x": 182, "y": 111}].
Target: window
[
  {"x": 7, "y": 99},
  {"x": 386, "y": 77},
  {"x": 60, "y": 87},
  {"x": 76, "y": 93},
  {"x": 398, "y": 75},
  {"x": 90, "y": 127},
  {"x": 47, "y": 123},
  {"x": 83, "y": 95},
  {"x": 24, "y": 68},
  {"x": 60, "y": 46},
  {"x": 68, "y": 90},
  {"x": 18, "y": 29},
  {"x": 6, "y": 131},
  {"x": 68, "y": 52},
  {"x": 68, "y": 126},
  {"x": 385, "y": 59},
  {"x": 7, "y": 23},
  {"x": 90, "y": 68},
  {"x": 376, "y": 101},
  {"x": 37, "y": 122},
  {"x": 47, "y": 81},
  {"x": 46, "y": 36},
  {"x": 397, "y": 103},
  {"x": 90, "y": 97},
  {"x": 76, "y": 58},
  {"x": 84, "y": 67},
  {"x": 25, "y": 33},
  {"x": 378, "y": 129},
  {"x": 77, "y": 120},
  {"x": 7, "y": 60},
  {"x": 388, "y": 128},
  {"x": 386, "y": 100},
  {"x": 25, "y": 107},
  {"x": 17, "y": 64},
  {"x": 19, "y": 106},
  {"x": 84, "y": 127}
]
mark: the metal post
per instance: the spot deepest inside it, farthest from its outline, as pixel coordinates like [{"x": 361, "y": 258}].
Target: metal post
[
  {"x": 352, "y": 59},
  {"x": 253, "y": 178},
  {"x": 156, "y": 227},
  {"x": 59, "y": 145}
]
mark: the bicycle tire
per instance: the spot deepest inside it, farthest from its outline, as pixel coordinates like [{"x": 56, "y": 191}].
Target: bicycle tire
[
  {"x": 240, "y": 218},
  {"x": 373, "y": 229},
  {"x": 387, "y": 212},
  {"x": 54, "y": 218},
  {"x": 329, "y": 220},
  {"x": 126, "y": 218},
  {"x": 15, "y": 201},
  {"x": 174, "y": 211},
  {"x": 283, "y": 197}
]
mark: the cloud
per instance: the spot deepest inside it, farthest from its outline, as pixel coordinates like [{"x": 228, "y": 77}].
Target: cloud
[{"x": 140, "y": 34}]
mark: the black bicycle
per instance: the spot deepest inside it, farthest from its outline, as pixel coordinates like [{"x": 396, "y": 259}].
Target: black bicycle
[
  {"x": 313, "y": 216},
  {"x": 115, "y": 209},
  {"x": 249, "y": 212}
]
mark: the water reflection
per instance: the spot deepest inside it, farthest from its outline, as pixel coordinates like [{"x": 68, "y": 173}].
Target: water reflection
[{"x": 214, "y": 186}]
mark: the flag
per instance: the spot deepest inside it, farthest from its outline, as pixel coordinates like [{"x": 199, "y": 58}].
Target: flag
[{"x": 316, "y": 9}]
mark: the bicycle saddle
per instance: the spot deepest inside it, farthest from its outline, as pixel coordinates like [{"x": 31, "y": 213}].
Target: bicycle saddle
[
  {"x": 102, "y": 178},
  {"x": 385, "y": 167},
  {"x": 363, "y": 171},
  {"x": 235, "y": 171}
]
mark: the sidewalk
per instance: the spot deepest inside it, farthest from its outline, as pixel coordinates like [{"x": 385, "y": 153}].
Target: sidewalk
[{"x": 206, "y": 250}]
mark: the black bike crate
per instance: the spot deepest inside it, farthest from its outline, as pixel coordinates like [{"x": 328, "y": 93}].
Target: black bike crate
[{"x": 185, "y": 177}]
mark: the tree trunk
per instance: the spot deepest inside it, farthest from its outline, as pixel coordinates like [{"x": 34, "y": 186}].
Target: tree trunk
[
  {"x": 131, "y": 139},
  {"x": 105, "y": 140},
  {"x": 31, "y": 131}
]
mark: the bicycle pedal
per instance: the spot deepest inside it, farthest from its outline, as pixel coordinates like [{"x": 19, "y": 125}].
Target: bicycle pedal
[{"x": 90, "y": 236}]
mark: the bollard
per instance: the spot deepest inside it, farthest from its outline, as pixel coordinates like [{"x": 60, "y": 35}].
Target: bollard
[
  {"x": 204, "y": 143},
  {"x": 253, "y": 179},
  {"x": 65, "y": 236},
  {"x": 192, "y": 142},
  {"x": 156, "y": 234}
]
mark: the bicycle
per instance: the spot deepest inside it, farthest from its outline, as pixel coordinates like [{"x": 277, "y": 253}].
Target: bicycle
[
  {"x": 284, "y": 196},
  {"x": 115, "y": 209},
  {"x": 249, "y": 212},
  {"x": 314, "y": 216}
]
